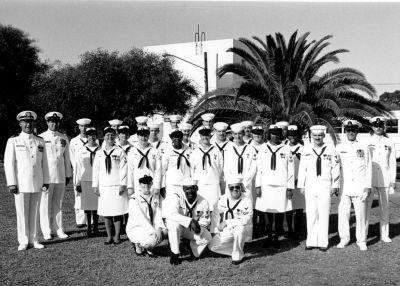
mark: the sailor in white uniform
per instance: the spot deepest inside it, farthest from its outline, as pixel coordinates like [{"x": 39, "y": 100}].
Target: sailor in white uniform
[
  {"x": 141, "y": 121},
  {"x": 240, "y": 160},
  {"x": 83, "y": 180},
  {"x": 284, "y": 126},
  {"x": 114, "y": 124},
  {"x": 383, "y": 173},
  {"x": 77, "y": 143},
  {"x": 174, "y": 121},
  {"x": 187, "y": 216},
  {"x": 27, "y": 175},
  {"x": 355, "y": 185},
  {"x": 154, "y": 139},
  {"x": 319, "y": 177},
  {"x": 207, "y": 163},
  {"x": 186, "y": 128},
  {"x": 207, "y": 121},
  {"x": 59, "y": 164},
  {"x": 298, "y": 199},
  {"x": 145, "y": 228},
  {"x": 247, "y": 126},
  {"x": 175, "y": 164},
  {"x": 123, "y": 135},
  {"x": 222, "y": 143},
  {"x": 235, "y": 226},
  {"x": 274, "y": 182}
]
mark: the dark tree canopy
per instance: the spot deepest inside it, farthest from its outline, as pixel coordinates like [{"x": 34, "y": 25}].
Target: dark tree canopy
[{"x": 391, "y": 99}]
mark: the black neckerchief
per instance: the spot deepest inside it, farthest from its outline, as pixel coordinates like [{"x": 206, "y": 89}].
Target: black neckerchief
[
  {"x": 92, "y": 153},
  {"x": 180, "y": 156},
  {"x": 240, "y": 158},
  {"x": 319, "y": 160},
  {"x": 144, "y": 158},
  {"x": 108, "y": 161},
  {"x": 221, "y": 148},
  {"x": 189, "y": 212},
  {"x": 273, "y": 157},
  {"x": 151, "y": 213},
  {"x": 206, "y": 155},
  {"x": 296, "y": 153},
  {"x": 230, "y": 210}
]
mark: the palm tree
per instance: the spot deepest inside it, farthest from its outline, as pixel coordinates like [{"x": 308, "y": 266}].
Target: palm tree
[{"x": 283, "y": 82}]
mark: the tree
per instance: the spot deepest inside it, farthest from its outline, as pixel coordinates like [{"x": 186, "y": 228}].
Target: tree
[
  {"x": 19, "y": 64},
  {"x": 283, "y": 79},
  {"x": 106, "y": 85},
  {"x": 391, "y": 99}
]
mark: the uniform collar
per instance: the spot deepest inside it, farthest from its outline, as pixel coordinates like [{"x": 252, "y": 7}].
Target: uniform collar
[
  {"x": 52, "y": 133},
  {"x": 195, "y": 201},
  {"x": 26, "y": 135}
]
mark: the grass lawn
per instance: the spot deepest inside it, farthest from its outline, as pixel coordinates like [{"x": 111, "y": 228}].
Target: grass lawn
[{"x": 86, "y": 261}]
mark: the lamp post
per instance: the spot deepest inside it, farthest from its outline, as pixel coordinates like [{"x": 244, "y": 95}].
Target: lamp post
[{"x": 205, "y": 68}]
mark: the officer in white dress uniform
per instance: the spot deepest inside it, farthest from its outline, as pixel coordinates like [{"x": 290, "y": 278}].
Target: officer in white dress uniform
[
  {"x": 59, "y": 164},
  {"x": 77, "y": 143},
  {"x": 240, "y": 160},
  {"x": 298, "y": 199},
  {"x": 109, "y": 183},
  {"x": 235, "y": 228},
  {"x": 154, "y": 139},
  {"x": 207, "y": 121},
  {"x": 141, "y": 121},
  {"x": 222, "y": 143},
  {"x": 319, "y": 177},
  {"x": 144, "y": 160},
  {"x": 175, "y": 164},
  {"x": 207, "y": 164},
  {"x": 27, "y": 175},
  {"x": 247, "y": 126},
  {"x": 174, "y": 121},
  {"x": 186, "y": 128},
  {"x": 83, "y": 180},
  {"x": 274, "y": 181},
  {"x": 187, "y": 216},
  {"x": 383, "y": 173},
  {"x": 355, "y": 185},
  {"x": 145, "y": 228}
]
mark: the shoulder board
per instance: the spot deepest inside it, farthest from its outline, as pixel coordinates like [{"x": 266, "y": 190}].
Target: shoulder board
[{"x": 15, "y": 135}]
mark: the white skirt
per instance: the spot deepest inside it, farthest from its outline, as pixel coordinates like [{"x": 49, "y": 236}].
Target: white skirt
[
  {"x": 89, "y": 199},
  {"x": 211, "y": 193},
  {"x": 298, "y": 200},
  {"x": 273, "y": 200},
  {"x": 111, "y": 203}
]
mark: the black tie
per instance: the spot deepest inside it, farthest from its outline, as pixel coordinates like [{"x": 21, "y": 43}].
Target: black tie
[
  {"x": 189, "y": 212},
  {"x": 296, "y": 153},
  {"x": 273, "y": 157},
  {"x": 92, "y": 153},
  {"x": 108, "y": 160},
  {"x": 180, "y": 156},
  {"x": 221, "y": 148},
  {"x": 230, "y": 210},
  {"x": 144, "y": 158},
  {"x": 240, "y": 159},
  {"x": 319, "y": 161},
  {"x": 158, "y": 144},
  {"x": 205, "y": 156},
  {"x": 151, "y": 214}
]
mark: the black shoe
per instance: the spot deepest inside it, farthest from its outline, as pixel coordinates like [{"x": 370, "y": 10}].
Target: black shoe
[
  {"x": 236, "y": 262},
  {"x": 109, "y": 242},
  {"x": 89, "y": 233},
  {"x": 323, "y": 249},
  {"x": 267, "y": 242},
  {"x": 309, "y": 248},
  {"x": 150, "y": 253},
  {"x": 96, "y": 232},
  {"x": 175, "y": 260},
  {"x": 186, "y": 243},
  {"x": 81, "y": 225},
  {"x": 276, "y": 244}
]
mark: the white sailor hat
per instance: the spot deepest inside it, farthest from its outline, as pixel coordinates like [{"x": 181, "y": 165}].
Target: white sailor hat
[
  {"x": 115, "y": 122},
  {"x": 220, "y": 126},
  {"x": 189, "y": 182},
  {"x": 83, "y": 121},
  {"x": 175, "y": 118},
  {"x": 153, "y": 125},
  {"x": 208, "y": 116},
  {"x": 26, "y": 115},
  {"x": 53, "y": 116},
  {"x": 282, "y": 124},
  {"x": 318, "y": 129},
  {"x": 141, "y": 119},
  {"x": 237, "y": 127},
  {"x": 351, "y": 124},
  {"x": 247, "y": 123},
  {"x": 235, "y": 180},
  {"x": 377, "y": 119},
  {"x": 185, "y": 126}
]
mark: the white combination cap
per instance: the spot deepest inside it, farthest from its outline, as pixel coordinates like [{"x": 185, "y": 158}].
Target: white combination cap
[
  {"x": 377, "y": 119},
  {"x": 351, "y": 123},
  {"x": 26, "y": 115},
  {"x": 53, "y": 115}
]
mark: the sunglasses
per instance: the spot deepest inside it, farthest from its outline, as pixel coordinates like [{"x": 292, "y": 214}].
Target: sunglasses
[
  {"x": 351, "y": 130},
  {"x": 378, "y": 125},
  {"x": 235, "y": 188}
]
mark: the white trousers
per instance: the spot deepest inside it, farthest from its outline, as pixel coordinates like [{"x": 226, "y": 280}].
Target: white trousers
[
  {"x": 27, "y": 209},
  {"x": 51, "y": 209},
  {"x": 231, "y": 242},
  {"x": 318, "y": 205},
  {"x": 80, "y": 217},
  {"x": 383, "y": 194},
  {"x": 360, "y": 210},
  {"x": 197, "y": 242}
]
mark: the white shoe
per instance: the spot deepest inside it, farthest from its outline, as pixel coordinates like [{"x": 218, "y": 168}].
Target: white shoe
[
  {"x": 47, "y": 237},
  {"x": 62, "y": 234},
  {"x": 22, "y": 247},
  {"x": 386, "y": 239},
  {"x": 38, "y": 245},
  {"x": 342, "y": 243},
  {"x": 362, "y": 246}
]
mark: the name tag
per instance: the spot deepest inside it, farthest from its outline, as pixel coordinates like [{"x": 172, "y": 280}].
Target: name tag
[
  {"x": 327, "y": 157},
  {"x": 283, "y": 155},
  {"x": 115, "y": 157},
  {"x": 40, "y": 148},
  {"x": 360, "y": 153}
]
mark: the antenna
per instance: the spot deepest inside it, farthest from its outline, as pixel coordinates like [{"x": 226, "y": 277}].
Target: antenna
[{"x": 198, "y": 39}]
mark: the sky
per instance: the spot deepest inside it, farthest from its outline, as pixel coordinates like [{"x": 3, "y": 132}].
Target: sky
[{"x": 63, "y": 30}]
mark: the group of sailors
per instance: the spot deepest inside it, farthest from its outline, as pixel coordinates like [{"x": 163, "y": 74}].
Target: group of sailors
[{"x": 218, "y": 189}]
